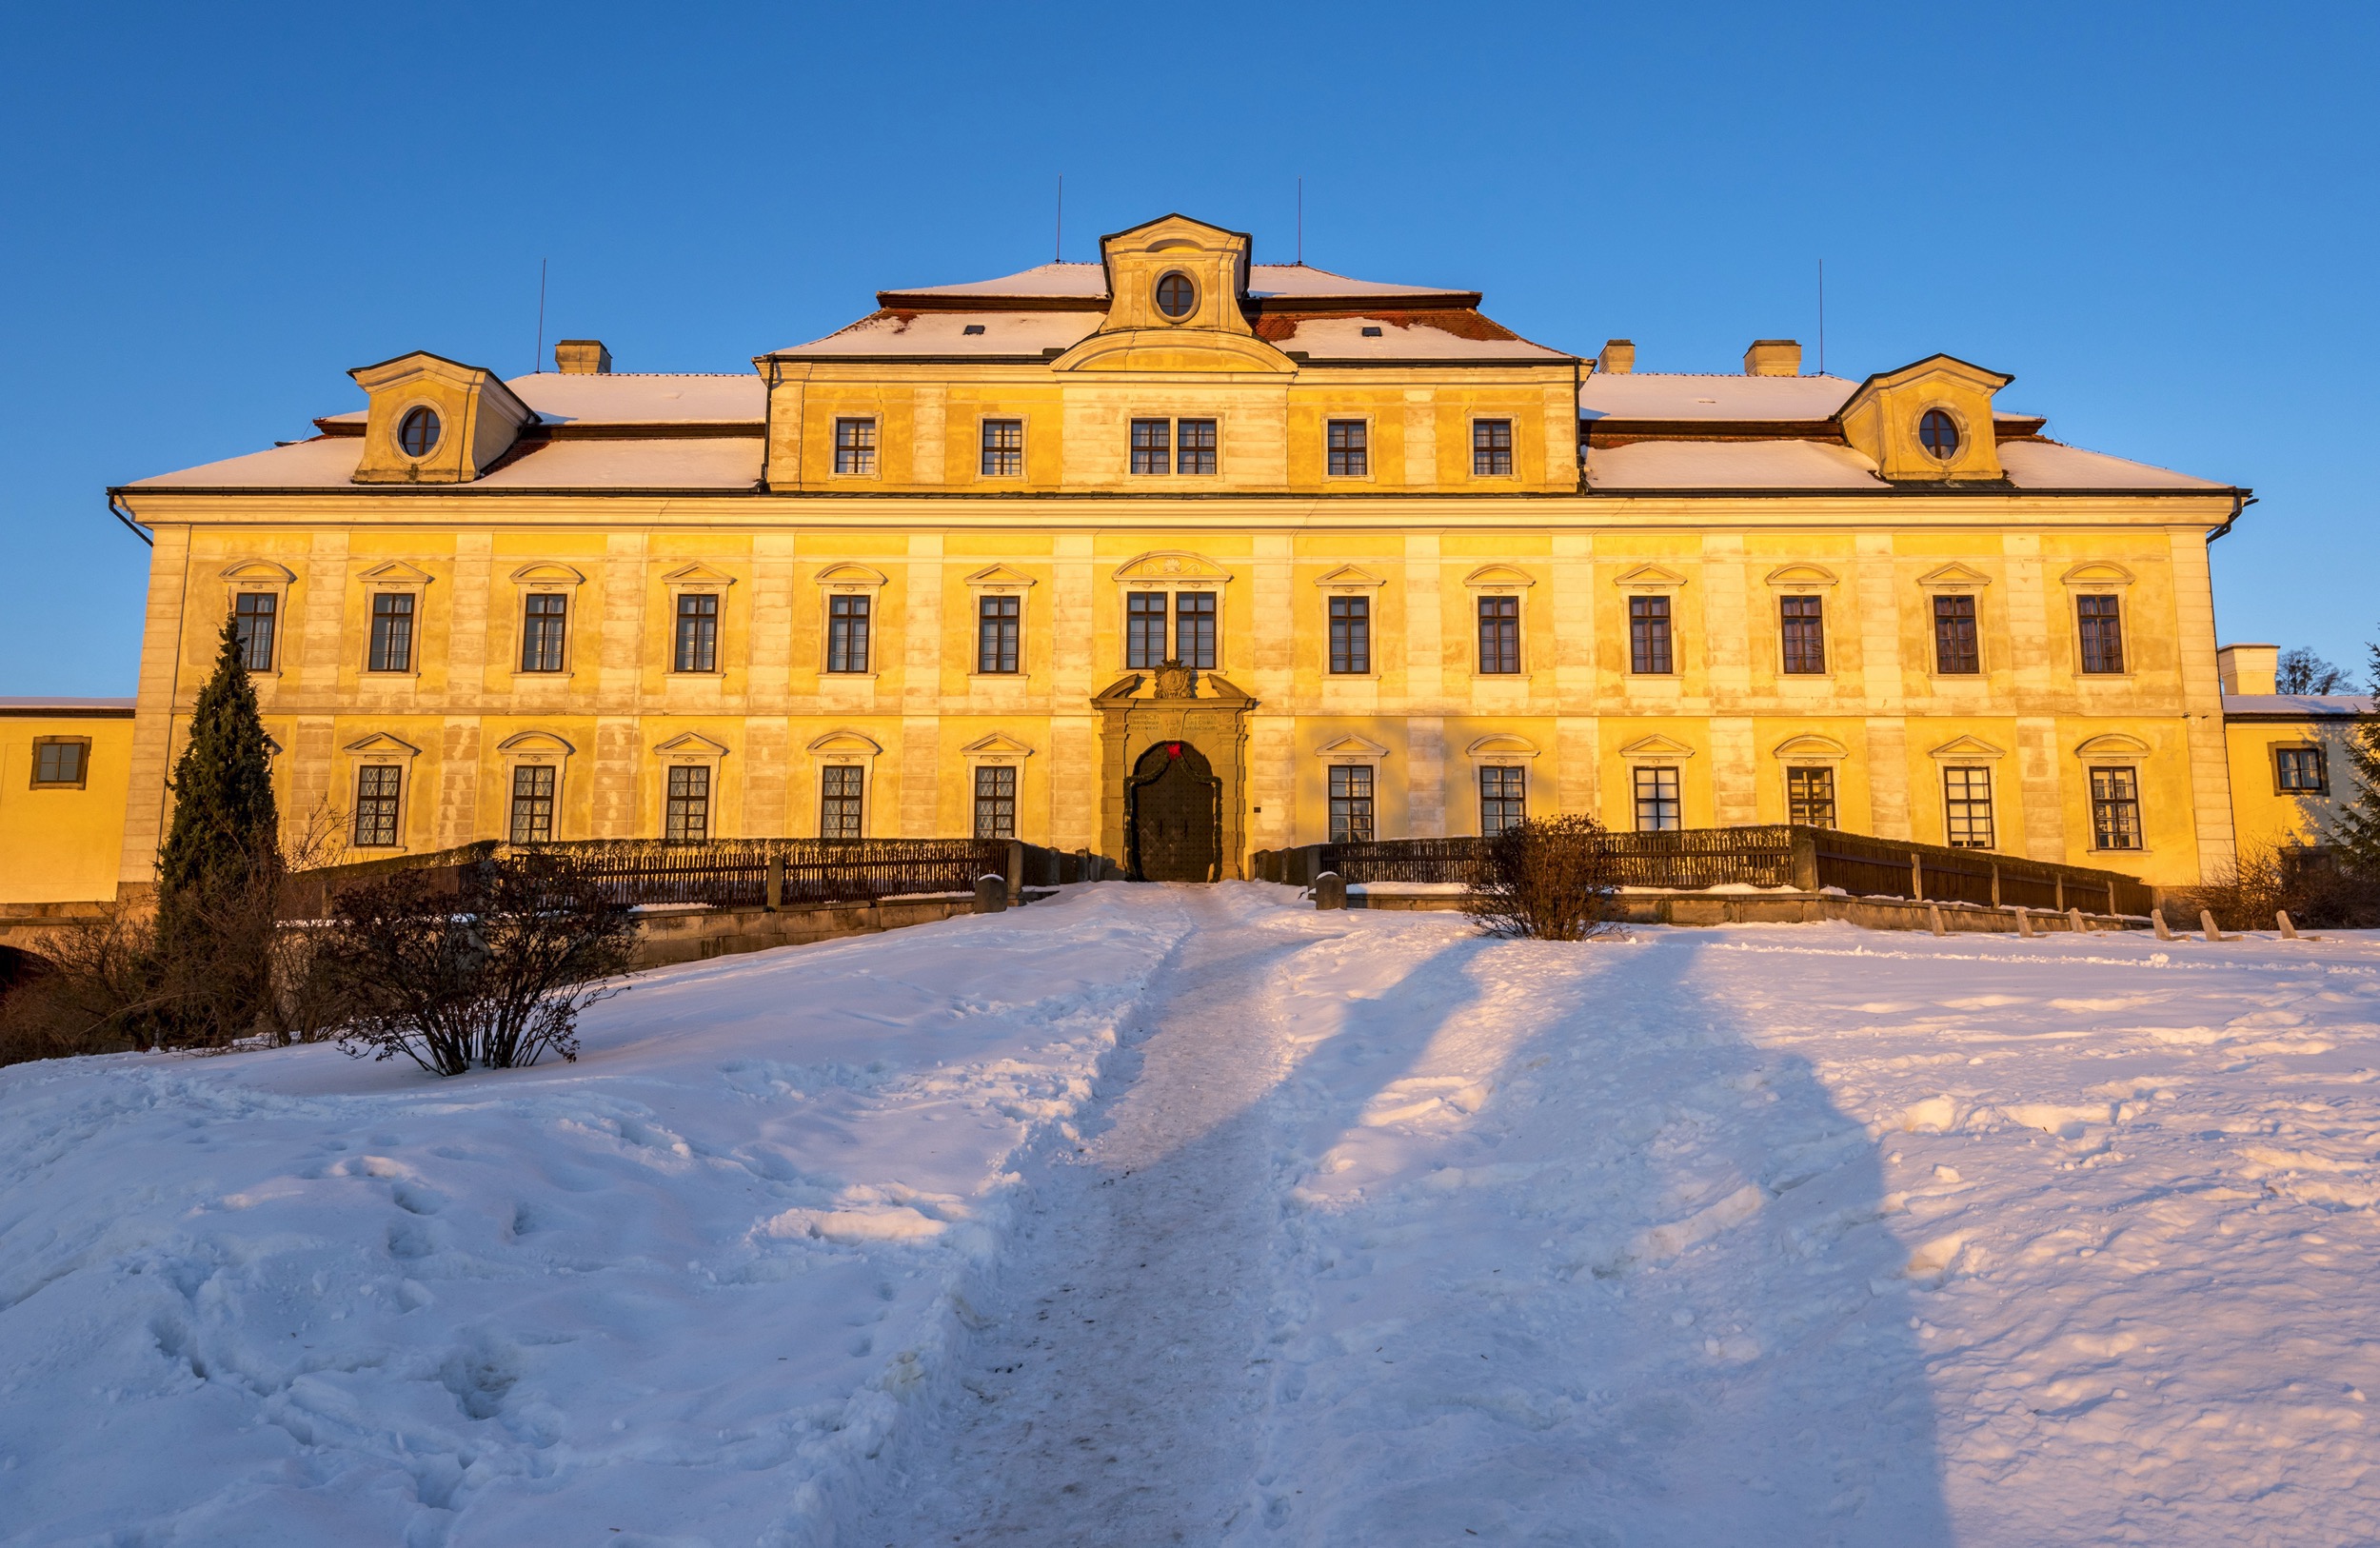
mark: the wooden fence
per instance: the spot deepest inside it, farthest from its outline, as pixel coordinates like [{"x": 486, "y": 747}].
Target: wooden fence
[
  {"x": 738, "y": 873},
  {"x": 1808, "y": 858}
]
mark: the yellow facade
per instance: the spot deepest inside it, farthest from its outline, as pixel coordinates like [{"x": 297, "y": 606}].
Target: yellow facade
[
  {"x": 62, "y": 817},
  {"x": 998, "y": 471},
  {"x": 2290, "y": 772}
]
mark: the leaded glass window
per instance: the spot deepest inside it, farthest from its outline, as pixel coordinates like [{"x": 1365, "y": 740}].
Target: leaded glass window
[
  {"x": 841, "y": 790},
  {"x": 377, "y": 789},
  {"x": 2116, "y": 809},
  {"x": 688, "y": 814},
  {"x": 532, "y": 803},
  {"x": 996, "y": 801}
]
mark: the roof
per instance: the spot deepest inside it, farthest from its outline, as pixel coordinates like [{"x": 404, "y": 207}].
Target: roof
[
  {"x": 56, "y": 709},
  {"x": 328, "y": 463},
  {"x": 1800, "y": 464},
  {"x": 2294, "y": 706},
  {"x": 1029, "y": 334},
  {"x": 1453, "y": 335},
  {"x": 1088, "y": 283},
  {"x": 1666, "y": 396},
  {"x": 631, "y": 398},
  {"x": 1406, "y": 336}
]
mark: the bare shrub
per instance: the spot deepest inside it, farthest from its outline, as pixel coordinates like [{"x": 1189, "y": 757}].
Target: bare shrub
[
  {"x": 1544, "y": 879},
  {"x": 2316, "y": 887},
  {"x": 485, "y": 964},
  {"x": 98, "y": 994}
]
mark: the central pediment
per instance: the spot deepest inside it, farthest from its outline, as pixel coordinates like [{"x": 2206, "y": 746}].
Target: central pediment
[{"x": 1178, "y": 294}]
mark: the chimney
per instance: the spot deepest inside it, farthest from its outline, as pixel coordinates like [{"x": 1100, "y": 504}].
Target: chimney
[
  {"x": 1772, "y": 357},
  {"x": 1617, "y": 359},
  {"x": 581, "y": 357},
  {"x": 2248, "y": 669}
]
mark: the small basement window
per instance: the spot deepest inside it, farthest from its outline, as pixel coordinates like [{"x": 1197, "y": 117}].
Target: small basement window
[
  {"x": 417, "y": 434},
  {"x": 1938, "y": 433}
]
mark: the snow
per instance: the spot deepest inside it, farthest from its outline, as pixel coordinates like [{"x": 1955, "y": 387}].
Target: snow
[
  {"x": 1006, "y": 333},
  {"x": 1342, "y": 338},
  {"x": 1150, "y": 1215},
  {"x": 2046, "y": 464},
  {"x": 2287, "y": 706},
  {"x": 1731, "y": 464},
  {"x": 1078, "y": 280},
  {"x": 631, "y": 398},
  {"x": 1663, "y": 395},
  {"x": 664, "y": 463}
]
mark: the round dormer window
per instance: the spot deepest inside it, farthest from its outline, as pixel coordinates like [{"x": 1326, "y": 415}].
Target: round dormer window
[
  {"x": 417, "y": 432},
  {"x": 1938, "y": 433},
  {"x": 1176, "y": 296}
]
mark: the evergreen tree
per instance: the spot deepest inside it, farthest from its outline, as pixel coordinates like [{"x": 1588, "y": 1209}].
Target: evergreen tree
[
  {"x": 219, "y": 866},
  {"x": 2357, "y": 831}
]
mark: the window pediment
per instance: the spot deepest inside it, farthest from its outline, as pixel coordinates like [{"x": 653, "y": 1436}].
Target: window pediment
[
  {"x": 1649, "y": 578},
  {"x": 2113, "y": 744},
  {"x": 2097, "y": 576},
  {"x": 997, "y": 745},
  {"x": 845, "y": 743},
  {"x": 1349, "y": 577},
  {"x": 1499, "y": 577},
  {"x": 396, "y": 572},
  {"x": 1801, "y": 577},
  {"x": 1351, "y": 747},
  {"x": 1967, "y": 750},
  {"x": 259, "y": 573},
  {"x": 692, "y": 745},
  {"x": 1171, "y": 568},
  {"x": 381, "y": 745},
  {"x": 850, "y": 577},
  {"x": 525, "y": 743},
  {"x": 697, "y": 576},
  {"x": 546, "y": 574},
  {"x": 1000, "y": 576},
  {"x": 1954, "y": 577},
  {"x": 1811, "y": 747},
  {"x": 1655, "y": 749},
  {"x": 1501, "y": 746}
]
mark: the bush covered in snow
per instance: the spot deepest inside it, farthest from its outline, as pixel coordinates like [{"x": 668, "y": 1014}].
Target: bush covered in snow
[{"x": 1544, "y": 879}]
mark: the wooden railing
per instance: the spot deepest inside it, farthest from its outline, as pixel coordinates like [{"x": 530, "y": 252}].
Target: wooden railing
[
  {"x": 1778, "y": 855},
  {"x": 748, "y": 873}
]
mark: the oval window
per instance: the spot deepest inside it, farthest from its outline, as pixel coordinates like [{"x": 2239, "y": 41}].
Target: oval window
[
  {"x": 1176, "y": 296},
  {"x": 417, "y": 434},
  {"x": 1938, "y": 433}
]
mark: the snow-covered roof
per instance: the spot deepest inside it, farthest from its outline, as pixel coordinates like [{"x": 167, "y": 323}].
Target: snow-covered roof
[
  {"x": 1026, "y": 333},
  {"x": 673, "y": 462},
  {"x": 112, "y": 709},
  {"x": 1089, "y": 281},
  {"x": 632, "y": 397},
  {"x": 1819, "y": 465},
  {"x": 1666, "y": 396},
  {"x": 1401, "y": 337},
  {"x": 2297, "y": 705},
  {"x": 2046, "y": 464}
]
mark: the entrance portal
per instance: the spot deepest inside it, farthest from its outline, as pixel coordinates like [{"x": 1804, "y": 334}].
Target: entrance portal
[{"x": 1173, "y": 806}]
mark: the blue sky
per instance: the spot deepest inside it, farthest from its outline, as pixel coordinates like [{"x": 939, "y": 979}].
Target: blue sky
[{"x": 2159, "y": 218}]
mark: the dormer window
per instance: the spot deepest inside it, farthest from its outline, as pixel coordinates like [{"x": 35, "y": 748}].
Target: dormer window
[
  {"x": 1176, "y": 296},
  {"x": 417, "y": 434},
  {"x": 1938, "y": 433}
]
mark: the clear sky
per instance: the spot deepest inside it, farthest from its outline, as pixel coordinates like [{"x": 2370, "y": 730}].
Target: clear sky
[{"x": 2159, "y": 218}]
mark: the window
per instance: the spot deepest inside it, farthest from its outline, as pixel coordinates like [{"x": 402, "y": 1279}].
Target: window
[
  {"x": 532, "y": 803},
  {"x": 61, "y": 763},
  {"x": 1193, "y": 446},
  {"x": 376, "y": 789},
  {"x": 855, "y": 446},
  {"x": 1351, "y": 634},
  {"x": 392, "y": 633},
  {"x": 252, "y": 618},
  {"x": 840, "y": 788},
  {"x": 1648, "y": 636},
  {"x": 1193, "y": 629},
  {"x": 1657, "y": 800},
  {"x": 1955, "y": 650},
  {"x": 1967, "y": 807},
  {"x": 996, "y": 801},
  {"x": 1350, "y": 802},
  {"x": 1810, "y": 796},
  {"x": 2115, "y": 808},
  {"x": 1152, "y": 445},
  {"x": 2300, "y": 772},
  {"x": 1803, "y": 623},
  {"x": 846, "y": 633},
  {"x": 1144, "y": 628},
  {"x": 1004, "y": 447},
  {"x": 542, "y": 631},
  {"x": 698, "y": 632},
  {"x": 1491, "y": 447},
  {"x": 417, "y": 432},
  {"x": 1349, "y": 456},
  {"x": 1499, "y": 635},
  {"x": 1503, "y": 799},
  {"x": 1938, "y": 433},
  {"x": 999, "y": 621},
  {"x": 688, "y": 813},
  {"x": 1176, "y": 296},
  {"x": 2102, "y": 633}
]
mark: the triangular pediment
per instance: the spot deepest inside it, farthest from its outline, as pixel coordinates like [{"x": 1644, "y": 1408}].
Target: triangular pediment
[
  {"x": 1937, "y": 368},
  {"x": 1812, "y": 746},
  {"x": 1968, "y": 748},
  {"x": 845, "y": 743},
  {"x": 395, "y": 572},
  {"x": 850, "y": 575},
  {"x": 1499, "y": 575},
  {"x": 381, "y": 745},
  {"x": 1656, "y": 747},
  {"x": 692, "y": 745},
  {"x": 1170, "y": 566},
  {"x": 1000, "y": 575},
  {"x": 1348, "y": 575},
  {"x": 1806, "y": 575},
  {"x": 1351, "y": 747},
  {"x": 1502, "y": 745},
  {"x": 997, "y": 745},
  {"x": 545, "y": 572},
  {"x": 699, "y": 573},
  {"x": 1649, "y": 578},
  {"x": 259, "y": 573},
  {"x": 1955, "y": 576},
  {"x": 535, "y": 741}
]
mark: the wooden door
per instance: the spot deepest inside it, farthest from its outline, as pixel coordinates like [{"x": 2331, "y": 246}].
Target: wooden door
[{"x": 1174, "y": 801}]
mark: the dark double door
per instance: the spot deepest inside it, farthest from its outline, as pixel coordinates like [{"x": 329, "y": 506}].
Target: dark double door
[{"x": 1175, "y": 803}]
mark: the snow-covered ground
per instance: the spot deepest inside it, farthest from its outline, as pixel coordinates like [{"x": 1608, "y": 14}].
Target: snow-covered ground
[{"x": 1190, "y": 1215}]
